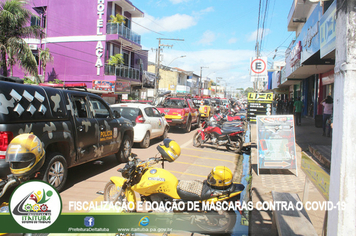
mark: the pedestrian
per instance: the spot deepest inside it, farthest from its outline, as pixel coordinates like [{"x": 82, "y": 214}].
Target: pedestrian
[
  {"x": 274, "y": 107},
  {"x": 290, "y": 106},
  {"x": 327, "y": 112},
  {"x": 279, "y": 106},
  {"x": 297, "y": 110}
]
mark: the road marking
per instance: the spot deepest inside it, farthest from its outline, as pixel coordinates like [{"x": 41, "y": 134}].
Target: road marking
[
  {"x": 183, "y": 173},
  {"x": 195, "y": 149},
  {"x": 193, "y": 164},
  {"x": 186, "y": 144},
  {"x": 207, "y": 158}
]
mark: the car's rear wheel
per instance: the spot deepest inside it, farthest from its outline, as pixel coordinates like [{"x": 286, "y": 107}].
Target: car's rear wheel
[
  {"x": 125, "y": 150},
  {"x": 198, "y": 122},
  {"x": 146, "y": 140},
  {"x": 188, "y": 128},
  {"x": 55, "y": 170},
  {"x": 165, "y": 133}
]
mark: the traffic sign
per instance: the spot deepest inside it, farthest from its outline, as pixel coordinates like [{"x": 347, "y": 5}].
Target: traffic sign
[{"x": 258, "y": 69}]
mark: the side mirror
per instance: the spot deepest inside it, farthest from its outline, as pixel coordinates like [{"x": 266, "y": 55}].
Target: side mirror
[
  {"x": 117, "y": 114},
  {"x": 163, "y": 115}
]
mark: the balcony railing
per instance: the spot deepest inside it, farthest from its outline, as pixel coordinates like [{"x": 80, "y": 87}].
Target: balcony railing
[
  {"x": 120, "y": 29},
  {"x": 122, "y": 71}
]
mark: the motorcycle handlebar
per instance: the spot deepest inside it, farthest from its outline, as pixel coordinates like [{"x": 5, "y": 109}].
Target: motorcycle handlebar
[{"x": 7, "y": 185}]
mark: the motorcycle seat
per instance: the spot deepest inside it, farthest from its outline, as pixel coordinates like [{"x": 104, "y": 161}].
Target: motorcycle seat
[{"x": 229, "y": 130}]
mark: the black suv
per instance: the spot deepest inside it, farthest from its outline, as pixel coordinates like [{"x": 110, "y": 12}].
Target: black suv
[{"x": 75, "y": 127}]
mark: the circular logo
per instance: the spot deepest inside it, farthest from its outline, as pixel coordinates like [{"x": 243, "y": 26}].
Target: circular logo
[{"x": 35, "y": 205}]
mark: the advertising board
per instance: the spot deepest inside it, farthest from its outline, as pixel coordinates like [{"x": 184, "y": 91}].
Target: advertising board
[
  {"x": 276, "y": 142},
  {"x": 259, "y": 104},
  {"x": 122, "y": 87}
]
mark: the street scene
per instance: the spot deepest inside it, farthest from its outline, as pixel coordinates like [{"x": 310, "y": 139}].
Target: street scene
[{"x": 177, "y": 117}]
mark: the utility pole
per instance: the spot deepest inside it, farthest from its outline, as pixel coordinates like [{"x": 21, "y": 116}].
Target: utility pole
[
  {"x": 216, "y": 85},
  {"x": 200, "y": 80},
  {"x": 342, "y": 189},
  {"x": 158, "y": 60}
]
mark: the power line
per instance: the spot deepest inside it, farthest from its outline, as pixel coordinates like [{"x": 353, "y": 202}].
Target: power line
[{"x": 147, "y": 28}]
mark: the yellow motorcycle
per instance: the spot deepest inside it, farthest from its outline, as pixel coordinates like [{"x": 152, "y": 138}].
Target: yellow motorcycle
[{"x": 159, "y": 187}]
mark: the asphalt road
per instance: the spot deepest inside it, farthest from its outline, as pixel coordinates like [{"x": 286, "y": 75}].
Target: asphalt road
[{"x": 85, "y": 181}]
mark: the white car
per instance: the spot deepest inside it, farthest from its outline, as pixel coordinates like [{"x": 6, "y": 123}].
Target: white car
[{"x": 148, "y": 122}]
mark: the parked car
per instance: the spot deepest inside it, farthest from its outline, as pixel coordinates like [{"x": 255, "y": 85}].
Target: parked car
[
  {"x": 75, "y": 127},
  {"x": 148, "y": 122},
  {"x": 180, "y": 112},
  {"x": 206, "y": 110}
]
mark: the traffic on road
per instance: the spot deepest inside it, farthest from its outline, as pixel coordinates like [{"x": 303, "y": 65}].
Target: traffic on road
[{"x": 92, "y": 152}]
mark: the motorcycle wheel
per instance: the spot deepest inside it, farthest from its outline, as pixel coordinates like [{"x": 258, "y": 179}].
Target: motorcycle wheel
[
  {"x": 111, "y": 193},
  {"x": 197, "y": 140},
  {"x": 216, "y": 222},
  {"x": 235, "y": 146}
]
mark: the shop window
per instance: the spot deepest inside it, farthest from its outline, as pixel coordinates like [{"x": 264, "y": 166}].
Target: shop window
[
  {"x": 35, "y": 21},
  {"x": 126, "y": 59}
]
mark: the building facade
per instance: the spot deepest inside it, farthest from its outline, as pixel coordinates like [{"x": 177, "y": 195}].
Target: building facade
[
  {"x": 310, "y": 58},
  {"x": 81, "y": 39}
]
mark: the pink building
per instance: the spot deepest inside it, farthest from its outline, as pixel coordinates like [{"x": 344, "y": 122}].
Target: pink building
[{"x": 81, "y": 40}]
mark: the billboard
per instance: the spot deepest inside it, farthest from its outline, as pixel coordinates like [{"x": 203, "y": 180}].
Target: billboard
[
  {"x": 122, "y": 87},
  {"x": 104, "y": 85},
  {"x": 276, "y": 142}
]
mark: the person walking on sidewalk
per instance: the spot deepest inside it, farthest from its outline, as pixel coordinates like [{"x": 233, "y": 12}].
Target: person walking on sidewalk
[
  {"x": 328, "y": 110},
  {"x": 297, "y": 110}
]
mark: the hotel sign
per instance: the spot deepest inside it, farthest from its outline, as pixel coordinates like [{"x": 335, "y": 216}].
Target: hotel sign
[{"x": 99, "y": 26}]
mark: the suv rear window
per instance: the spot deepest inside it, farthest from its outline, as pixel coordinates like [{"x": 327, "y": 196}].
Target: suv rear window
[
  {"x": 175, "y": 103},
  {"x": 128, "y": 112}
]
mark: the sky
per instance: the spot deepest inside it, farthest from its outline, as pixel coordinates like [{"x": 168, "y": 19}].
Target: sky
[{"x": 219, "y": 35}]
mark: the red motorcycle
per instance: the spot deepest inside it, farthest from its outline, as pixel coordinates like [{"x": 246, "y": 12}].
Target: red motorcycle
[
  {"x": 230, "y": 137},
  {"x": 228, "y": 120}
]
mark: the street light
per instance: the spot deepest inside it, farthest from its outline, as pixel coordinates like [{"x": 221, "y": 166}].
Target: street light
[
  {"x": 175, "y": 59},
  {"x": 200, "y": 80}
]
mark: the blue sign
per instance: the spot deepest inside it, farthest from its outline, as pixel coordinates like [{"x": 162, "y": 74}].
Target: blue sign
[
  {"x": 327, "y": 31},
  {"x": 89, "y": 221},
  {"x": 310, "y": 34}
]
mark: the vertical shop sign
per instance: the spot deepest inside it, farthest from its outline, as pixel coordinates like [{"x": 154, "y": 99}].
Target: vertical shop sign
[
  {"x": 276, "y": 142},
  {"x": 259, "y": 104},
  {"x": 99, "y": 26}
]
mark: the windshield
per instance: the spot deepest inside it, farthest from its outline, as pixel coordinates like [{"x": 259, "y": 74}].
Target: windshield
[
  {"x": 175, "y": 103},
  {"x": 128, "y": 112},
  {"x": 207, "y": 102}
]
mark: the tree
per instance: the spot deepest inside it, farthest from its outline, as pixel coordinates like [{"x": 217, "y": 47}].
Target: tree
[
  {"x": 248, "y": 90},
  {"x": 116, "y": 19},
  {"x": 14, "y": 19},
  {"x": 45, "y": 57},
  {"x": 11, "y": 60},
  {"x": 116, "y": 60}
]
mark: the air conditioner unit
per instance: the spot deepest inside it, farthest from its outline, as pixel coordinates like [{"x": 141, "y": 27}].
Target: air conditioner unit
[{"x": 139, "y": 61}]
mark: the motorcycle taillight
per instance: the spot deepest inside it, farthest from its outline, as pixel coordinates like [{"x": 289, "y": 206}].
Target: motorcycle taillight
[{"x": 5, "y": 139}]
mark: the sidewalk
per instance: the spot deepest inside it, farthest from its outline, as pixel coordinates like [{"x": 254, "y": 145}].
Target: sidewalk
[{"x": 307, "y": 137}]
